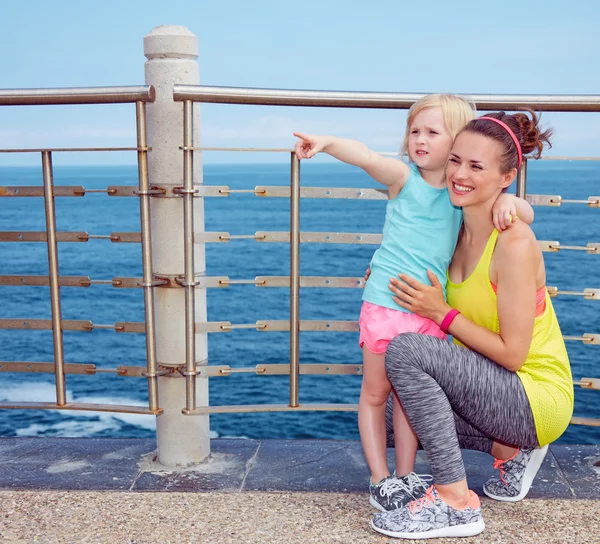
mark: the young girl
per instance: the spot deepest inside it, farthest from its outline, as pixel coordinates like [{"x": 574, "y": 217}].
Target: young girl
[{"x": 420, "y": 233}]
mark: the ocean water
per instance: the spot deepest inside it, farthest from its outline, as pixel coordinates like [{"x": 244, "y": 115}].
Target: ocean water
[{"x": 245, "y": 259}]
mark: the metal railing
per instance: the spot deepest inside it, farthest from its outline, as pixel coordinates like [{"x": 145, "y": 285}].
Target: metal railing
[
  {"x": 189, "y": 281},
  {"x": 273, "y": 97},
  {"x": 96, "y": 95}
]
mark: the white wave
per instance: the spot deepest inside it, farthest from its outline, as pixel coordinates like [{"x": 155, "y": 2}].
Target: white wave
[
  {"x": 69, "y": 428},
  {"x": 137, "y": 420},
  {"x": 79, "y": 423},
  {"x": 24, "y": 392}
]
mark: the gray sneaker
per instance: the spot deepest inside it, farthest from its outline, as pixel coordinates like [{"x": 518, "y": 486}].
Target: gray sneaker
[
  {"x": 431, "y": 517},
  {"x": 393, "y": 492},
  {"x": 516, "y": 475}
]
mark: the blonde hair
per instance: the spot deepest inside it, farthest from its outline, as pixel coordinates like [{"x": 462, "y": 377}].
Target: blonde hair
[{"x": 456, "y": 110}]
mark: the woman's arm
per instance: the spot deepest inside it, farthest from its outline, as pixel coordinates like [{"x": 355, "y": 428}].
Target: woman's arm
[
  {"x": 516, "y": 262},
  {"x": 385, "y": 170}
]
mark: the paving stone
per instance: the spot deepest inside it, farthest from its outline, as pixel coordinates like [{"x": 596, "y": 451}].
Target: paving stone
[
  {"x": 581, "y": 466},
  {"x": 70, "y": 463}
]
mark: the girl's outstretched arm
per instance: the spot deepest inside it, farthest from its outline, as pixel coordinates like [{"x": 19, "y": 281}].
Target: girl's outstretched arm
[{"x": 386, "y": 170}]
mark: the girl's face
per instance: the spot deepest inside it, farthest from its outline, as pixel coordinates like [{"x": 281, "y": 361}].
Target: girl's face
[
  {"x": 473, "y": 173},
  {"x": 429, "y": 141}
]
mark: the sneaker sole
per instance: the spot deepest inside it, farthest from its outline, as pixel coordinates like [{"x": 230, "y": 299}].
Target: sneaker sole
[
  {"x": 537, "y": 458},
  {"x": 375, "y": 504},
  {"x": 470, "y": 529}
]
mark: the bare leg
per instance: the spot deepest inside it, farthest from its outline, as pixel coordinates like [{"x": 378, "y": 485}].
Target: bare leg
[
  {"x": 405, "y": 440},
  {"x": 503, "y": 451},
  {"x": 455, "y": 495},
  {"x": 374, "y": 393}
]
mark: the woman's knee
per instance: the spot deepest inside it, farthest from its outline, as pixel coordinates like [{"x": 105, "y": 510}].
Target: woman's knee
[{"x": 403, "y": 350}]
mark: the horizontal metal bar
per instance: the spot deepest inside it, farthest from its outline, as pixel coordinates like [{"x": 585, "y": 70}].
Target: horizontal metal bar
[
  {"x": 281, "y": 369},
  {"x": 70, "y": 149},
  {"x": 306, "y": 325},
  {"x": 131, "y": 327},
  {"x": 588, "y": 294},
  {"x": 586, "y": 338},
  {"x": 591, "y": 422},
  {"x": 170, "y": 282},
  {"x": 245, "y": 149},
  {"x": 77, "y": 95},
  {"x": 589, "y": 383},
  {"x": 201, "y": 410},
  {"x": 591, "y": 248},
  {"x": 208, "y": 282},
  {"x": 63, "y": 281},
  {"x": 71, "y": 368},
  {"x": 305, "y": 237},
  {"x": 28, "y": 191},
  {"x": 552, "y": 246},
  {"x": 255, "y": 281},
  {"x": 168, "y": 191},
  {"x": 592, "y": 201},
  {"x": 219, "y": 326},
  {"x": 278, "y": 191},
  {"x": 544, "y": 200},
  {"x": 31, "y": 236},
  {"x": 350, "y": 99},
  {"x": 312, "y": 281},
  {"x": 125, "y": 237},
  {"x": 278, "y": 325},
  {"x": 21, "y": 366},
  {"x": 45, "y": 324},
  {"x": 228, "y": 326},
  {"x": 86, "y": 407}
]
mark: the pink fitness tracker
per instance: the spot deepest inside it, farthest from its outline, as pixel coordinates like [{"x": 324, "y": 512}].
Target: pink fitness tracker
[{"x": 447, "y": 321}]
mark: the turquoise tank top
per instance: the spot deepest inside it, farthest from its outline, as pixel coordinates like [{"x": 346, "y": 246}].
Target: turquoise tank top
[{"x": 420, "y": 232}]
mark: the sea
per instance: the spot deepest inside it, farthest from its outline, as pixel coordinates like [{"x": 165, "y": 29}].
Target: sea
[{"x": 97, "y": 213}]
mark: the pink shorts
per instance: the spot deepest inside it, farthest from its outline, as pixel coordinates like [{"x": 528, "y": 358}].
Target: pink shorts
[{"x": 378, "y": 325}]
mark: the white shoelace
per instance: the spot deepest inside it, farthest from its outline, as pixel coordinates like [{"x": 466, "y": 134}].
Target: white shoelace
[{"x": 392, "y": 485}]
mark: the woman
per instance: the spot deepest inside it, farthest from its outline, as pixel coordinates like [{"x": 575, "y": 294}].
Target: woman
[{"x": 511, "y": 392}]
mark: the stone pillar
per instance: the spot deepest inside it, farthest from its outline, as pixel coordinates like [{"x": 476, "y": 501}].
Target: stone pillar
[{"x": 171, "y": 52}]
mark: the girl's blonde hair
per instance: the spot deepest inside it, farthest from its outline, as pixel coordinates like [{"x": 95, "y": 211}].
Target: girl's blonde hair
[{"x": 456, "y": 110}]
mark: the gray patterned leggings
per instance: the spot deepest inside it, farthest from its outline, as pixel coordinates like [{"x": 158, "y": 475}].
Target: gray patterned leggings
[{"x": 455, "y": 397}]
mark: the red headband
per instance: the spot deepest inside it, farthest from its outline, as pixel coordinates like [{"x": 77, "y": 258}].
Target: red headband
[{"x": 510, "y": 133}]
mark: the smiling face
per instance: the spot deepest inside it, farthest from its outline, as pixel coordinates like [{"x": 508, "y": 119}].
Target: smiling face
[
  {"x": 429, "y": 141},
  {"x": 473, "y": 173}
]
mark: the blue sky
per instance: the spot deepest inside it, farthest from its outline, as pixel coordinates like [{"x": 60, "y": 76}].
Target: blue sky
[{"x": 521, "y": 46}]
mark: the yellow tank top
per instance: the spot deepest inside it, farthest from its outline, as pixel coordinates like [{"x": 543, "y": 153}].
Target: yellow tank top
[{"x": 546, "y": 374}]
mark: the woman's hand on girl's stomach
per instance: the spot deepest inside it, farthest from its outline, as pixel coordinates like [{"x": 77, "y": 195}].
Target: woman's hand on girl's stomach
[{"x": 424, "y": 300}]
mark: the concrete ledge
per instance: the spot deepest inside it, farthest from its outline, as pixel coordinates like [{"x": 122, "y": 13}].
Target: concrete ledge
[{"x": 69, "y": 464}]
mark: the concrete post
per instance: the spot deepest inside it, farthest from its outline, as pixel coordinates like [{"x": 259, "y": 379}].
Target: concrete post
[{"x": 171, "y": 52}]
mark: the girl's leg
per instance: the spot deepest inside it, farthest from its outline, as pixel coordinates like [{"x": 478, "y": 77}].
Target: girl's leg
[
  {"x": 433, "y": 380},
  {"x": 374, "y": 393},
  {"x": 405, "y": 440}
]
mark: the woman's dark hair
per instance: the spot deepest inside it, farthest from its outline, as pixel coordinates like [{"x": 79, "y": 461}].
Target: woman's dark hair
[{"x": 526, "y": 130}]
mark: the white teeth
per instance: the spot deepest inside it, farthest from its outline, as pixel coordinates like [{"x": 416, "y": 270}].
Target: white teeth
[{"x": 463, "y": 188}]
